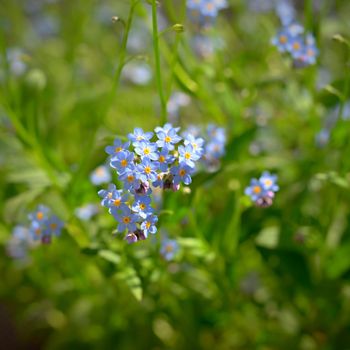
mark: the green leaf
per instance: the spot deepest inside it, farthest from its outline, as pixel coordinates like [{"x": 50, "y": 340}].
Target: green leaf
[
  {"x": 109, "y": 256},
  {"x": 132, "y": 280},
  {"x": 339, "y": 262},
  {"x": 268, "y": 237}
]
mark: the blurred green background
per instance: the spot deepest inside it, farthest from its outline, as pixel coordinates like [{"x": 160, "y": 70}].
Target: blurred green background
[{"x": 244, "y": 277}]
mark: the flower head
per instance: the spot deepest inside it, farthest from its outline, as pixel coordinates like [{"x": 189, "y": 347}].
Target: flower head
[
  {"x": 122, "y": 161},
  {"x": 117, "y": 147},
  {"x": 167, "y": 136},
  {"x": 262, "y": 190},
  {"x": 182, "y": 173},
  {"x": 100, "y": 175},
  {"x": 169, "y": 248},
  {"x": 139, "y": 135}
]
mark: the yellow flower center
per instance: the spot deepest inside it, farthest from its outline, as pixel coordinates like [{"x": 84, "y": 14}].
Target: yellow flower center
[
  {"x": 39, "y": 215},
  {"x": 148, "y": 224},
  {"x": 117, "y": 202},
  {"x": 38, "y": 231},
  {"x": 139, "y": 138},
  {"x": 162, "y": 159},
  {"x": 188, "y": 155},
  {"x": 310, "y": 52},
  {"x": 118, "y": 149},
  {"x": 296, "y": 46},
  {"x": 169, "y": 248},
  {"x": 124, "y": 162},
  {"x": 142, "y": 206},
  {"x": 182, "y": 172},
  {"x": 53, "y": 226},
  {"x": 283, "y": 39},
  {"x": 268, "y": 182},
  {"x": 130, "y": 178},
  {"x": 256, "y": 189},
  {"x": 109, "y": 195},
  {"x": 210, "y": 6},
  {"x": 126, "y": 219},
  {"x": 100, "y": 171},
  {"x": 147, "y": 170},
  {"x": 167, "y": 139},
  {"x": 146, "y": 151}
]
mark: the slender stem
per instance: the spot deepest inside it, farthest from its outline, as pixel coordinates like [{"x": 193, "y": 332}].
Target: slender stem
[
  {"x": 122, "y": 54},
  {"x": 157, "y": 62}
]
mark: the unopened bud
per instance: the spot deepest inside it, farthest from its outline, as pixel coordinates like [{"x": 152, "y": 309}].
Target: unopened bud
[{"x": 178, "y": 28}]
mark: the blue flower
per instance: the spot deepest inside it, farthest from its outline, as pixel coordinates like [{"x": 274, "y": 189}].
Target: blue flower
[
  {"x": 106, "y": 195},
  {"x": 53, "y": 226},
  {"x": 147, "y": 170},
  {"x": 209, "y": 8},
  {"x": 36, "y": 230},
  {"x": 117, "y": 147},
  {"x": 281, "y": 40},
  {"x": 139, "y": 135},
  {"x": 40, "y": 214},
  {"x": 130, "y": 178},
  {"x": 255, "y": 190},
  {"x": 126, "y": 221},
  {"x": 142, "y": 206},
  {"x": 196, "y": 143},
  {"x": 87, "y": 211},
  {"x": 122, "y": 160},
  {"x": 268, "y": 181},
  {"x": 167, "y": 136},
  {"x": 182, "y": 172},
  {"x": 169, "y": 248},
  {"x": 147, "y": 149},
  {"x": 295, "y": 47},
  {"x": 149, "y": 225},
  {"x": 118, "y": 202},
  {"x": 285, "y": 11},
  {"x": 159, "y": 181},
  {"x": 216, "y": 132},
  {"x": 165, "y": 159},
  {"x": 100, "y": 175},
  {"x": 187, "y": 155},
  {"x": 310, "y": 51}
]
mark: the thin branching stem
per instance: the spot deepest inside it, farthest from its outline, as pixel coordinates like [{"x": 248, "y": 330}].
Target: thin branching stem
[{"x": 157, "y": 62}]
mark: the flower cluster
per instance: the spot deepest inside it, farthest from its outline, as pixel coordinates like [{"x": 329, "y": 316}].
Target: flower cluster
[
  {"x": 141, "y": 164},
  {"x": 262, "y": 190},
  {"x": 44, "y": 224},
  {"x": 302, "y": 48},
  {"x": 210, "y": 143},
  {"x": 204, "y": 12}
]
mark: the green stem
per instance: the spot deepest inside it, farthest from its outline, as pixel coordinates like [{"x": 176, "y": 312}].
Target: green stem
[
  {"x": 122, "y": 54},
  {"x": 157, "y": 62}
]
